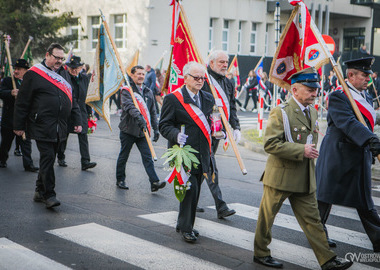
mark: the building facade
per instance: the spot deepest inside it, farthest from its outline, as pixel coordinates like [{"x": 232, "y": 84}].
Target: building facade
[{"x": 243, "y": 27}]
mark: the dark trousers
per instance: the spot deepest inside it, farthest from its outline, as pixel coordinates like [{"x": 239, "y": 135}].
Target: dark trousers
[
  {"x": 214, "y": 185},
  {"x": 127, "y": 142},
  {"x": 188, "y": 207},
  {"x": 253, "y": 95},
  {"x": 45, "y": 183},
  {"x": 116, "y": 100},
  {"x": 369, "y": 218},
  {"x": 7, "y": 136},
  {"x": 83, "y": 148}
]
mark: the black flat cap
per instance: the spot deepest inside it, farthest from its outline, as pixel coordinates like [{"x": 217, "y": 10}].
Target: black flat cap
[
  {"x": 74, "y": 62},
  {"x": 21, "y": 63},
  {"x": 362, "y": 64}
]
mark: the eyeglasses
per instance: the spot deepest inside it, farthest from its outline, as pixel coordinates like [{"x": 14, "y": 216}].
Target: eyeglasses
[
  {"x": 198, "y": 78},
  {"x": 58, "y": 58}
]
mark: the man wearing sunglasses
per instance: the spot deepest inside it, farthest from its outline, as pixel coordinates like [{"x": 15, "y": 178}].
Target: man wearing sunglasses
[
  {"x": 217, "y": 68},
  {"x": 43, "y": 105}
]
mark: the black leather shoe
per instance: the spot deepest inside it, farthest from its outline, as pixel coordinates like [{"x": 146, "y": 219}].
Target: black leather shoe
[
  {"x": 17, "y": 153},
  {"x": 331, "y": 242},
  {"x": 88, "y": 165},
  {"x": 121, "y": 184},
  {"x": 31, "y": 168},
  {"x": 196, "y": 232},
  {"x": 3, "y": 164},
  {"x": 62, "y": 163},
  {"x": 38, "y": 197},
  {"x": 189, "y": 237},
  {"x": 52, "y": 202},
  {"x": 337, "y": 264},
  {"x": 226, "y": 213},
  {"x": 200, "y": 209},
  {"x": 157, "y": 185},
  {"x": 267, "y": 261}
]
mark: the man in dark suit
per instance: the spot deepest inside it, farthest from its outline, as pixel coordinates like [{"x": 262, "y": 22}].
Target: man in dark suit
[
  {"x": 290, "y": 140},
  {"x": 43, "y": 105},
  {"x": 350, "y": 147},
  {"x": 176, "y": 112},
  {"x": 79, "y": 83},
  {"x": 9, "y": 95},
  {"x": 217, "y": 69},
  {"x": 133, "y": 122}
]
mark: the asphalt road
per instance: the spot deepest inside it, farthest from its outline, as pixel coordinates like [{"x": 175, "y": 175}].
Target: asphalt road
[{"x": 99, "y": 226}]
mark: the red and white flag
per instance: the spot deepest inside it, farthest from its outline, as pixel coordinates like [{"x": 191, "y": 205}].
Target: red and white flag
[
  {"x": 301, "y": 46},
  {"x": 234, "y": 69},
  {"x": 184, "y": 49}
]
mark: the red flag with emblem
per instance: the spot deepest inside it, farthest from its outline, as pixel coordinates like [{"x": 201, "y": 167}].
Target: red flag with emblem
[
  {"x": 299, "y": 47},
  {"x": 183, "y": 49}
]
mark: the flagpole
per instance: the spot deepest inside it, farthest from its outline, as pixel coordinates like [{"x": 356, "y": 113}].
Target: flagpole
[
  {"x": 127, "y": 82},
  {"x": 9, "y": 60},
  {"x": 224, "y": 118},
  {"x": 26, "y": 46}
]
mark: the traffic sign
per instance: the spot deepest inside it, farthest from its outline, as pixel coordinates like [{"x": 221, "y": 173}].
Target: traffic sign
[{"x": 330, "y": 43}]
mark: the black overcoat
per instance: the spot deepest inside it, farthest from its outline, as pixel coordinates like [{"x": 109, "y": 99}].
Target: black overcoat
[
  {"x": 173, "y": 115},
  {"x": 343, "y": 171},
  {"x": 8, "y": 101}
]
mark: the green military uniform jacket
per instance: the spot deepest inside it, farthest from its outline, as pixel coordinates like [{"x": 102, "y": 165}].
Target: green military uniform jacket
[{"x": 287, "y": 169}]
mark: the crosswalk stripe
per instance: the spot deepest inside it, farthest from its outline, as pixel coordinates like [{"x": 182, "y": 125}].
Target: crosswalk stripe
[
  {"x": 290, "y": 222},
  {"x": 15, "y": 256},
  {"x": 130, "y": 249},
  {"x": 282, "y": 250}
]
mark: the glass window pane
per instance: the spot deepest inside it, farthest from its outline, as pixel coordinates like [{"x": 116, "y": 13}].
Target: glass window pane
[
  {"x": 119, "y": 44},
  {"x": 253, "y": 38},
  {"x": 225, "y": 36},
  {"x": 95, "y": 33},
  {"x": 118, "y": 18},
  {"x": 95, "y": 20},
  {"x": 253, "y": 26},
  {"x": 225, "y": 25},
  {"x": 224, "y": 47},
  {"x": 94, "y": 44},
  {"x": 252, "y": 49},
  {"x": 118, "y": 32},
  {"x": 210, "y": 22}
]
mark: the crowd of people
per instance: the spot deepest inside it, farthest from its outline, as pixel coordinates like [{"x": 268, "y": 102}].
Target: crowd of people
[{"x": 48, "y": 103}]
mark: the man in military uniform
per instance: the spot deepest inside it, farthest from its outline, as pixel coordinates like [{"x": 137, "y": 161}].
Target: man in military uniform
[
  {"x": 290, "y": 139},
  {"x": 350, "y": 146}
]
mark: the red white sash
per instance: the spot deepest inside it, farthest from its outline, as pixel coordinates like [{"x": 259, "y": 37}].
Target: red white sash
[
  {"x": 53, "y": 78},
  {"x": 365, "y": 108},
  {"x": 142, "y": 106},
  {"x": 222, "y": 95},
  {"x": 181, "y": 176},
  {"x": 196, "y": 114}
]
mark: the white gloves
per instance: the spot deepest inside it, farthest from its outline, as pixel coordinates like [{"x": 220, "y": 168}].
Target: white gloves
[
  {"x": 181, "y": 138},
  {"x": 237, "y": 135}
]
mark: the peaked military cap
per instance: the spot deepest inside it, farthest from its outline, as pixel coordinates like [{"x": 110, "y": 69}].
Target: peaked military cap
[
  {"x": 362, "y": 64},
  {"x": 74, "y": 62},
  {"x": 308, "y": 77},
  {"x": 21, "y": 63}
]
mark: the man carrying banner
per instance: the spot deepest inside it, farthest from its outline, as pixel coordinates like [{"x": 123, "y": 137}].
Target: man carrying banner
[
  {"x": 290, "y": 139},
  {"x": 132, "y": 126},
  {"x": 9, "y": 95},
  {"x": 190, "y": 107},
  {"x": 217, "y": 68},
  {"x": 43, "y": 105},
  {"x": 351, "y": 147}
]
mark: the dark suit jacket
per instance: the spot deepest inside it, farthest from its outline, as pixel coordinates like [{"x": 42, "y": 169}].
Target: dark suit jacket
[
  {"x": 8, "y": 101},
  {"x": 343, "y": 170},
  {"x": 173, "y": 115}
]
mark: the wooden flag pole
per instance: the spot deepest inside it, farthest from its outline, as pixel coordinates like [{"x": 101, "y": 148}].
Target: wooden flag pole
[
  {"x": 26, "y": 46},
  {"x": 224, "y": 118},
  {"x": 9, "y": 61},
  {"x": 128, "y": 84},
  {"x": 374, "y": 88}
]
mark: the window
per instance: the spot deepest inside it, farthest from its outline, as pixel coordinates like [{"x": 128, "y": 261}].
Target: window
[
  {"x": 120, "y": 24},
  {"x": 239, "y": 39},
  {"x": 74, "y": 30},
  {"x": 210, "y": 35},
  {"x": 353, "y": 38},
  {"x": 266, "y": 40},
  {"x": 95, "y": 26},
  {"x": 225, "y": 35},
  {"x": 252, "y": 41}
]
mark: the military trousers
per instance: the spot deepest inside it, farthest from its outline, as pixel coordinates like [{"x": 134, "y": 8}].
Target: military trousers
[{"x": 304, "y": 206}]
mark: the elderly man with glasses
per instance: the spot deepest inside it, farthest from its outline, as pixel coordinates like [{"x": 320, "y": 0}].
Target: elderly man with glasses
[{"x": 43, "y": 105}]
